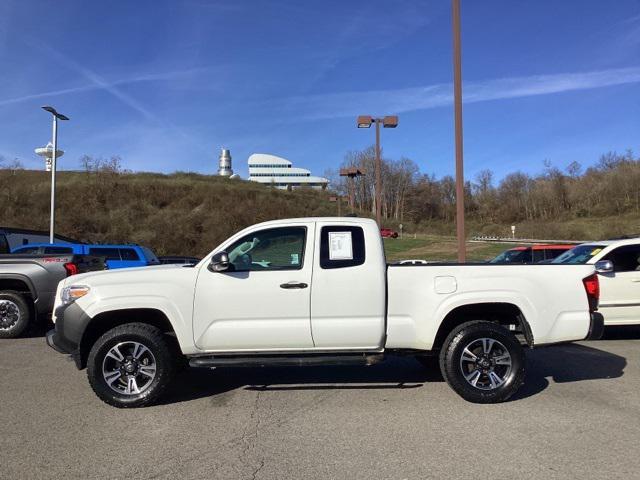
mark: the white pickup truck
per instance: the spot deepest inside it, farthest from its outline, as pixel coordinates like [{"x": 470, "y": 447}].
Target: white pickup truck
[{"x": 316, "y": 291}]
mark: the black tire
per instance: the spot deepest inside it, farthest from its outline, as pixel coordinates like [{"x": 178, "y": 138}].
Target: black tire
[
  {"x": 124, "y": 338},
  {"x": 489, "y": 367},
  {"x": 15, "y": 314}
]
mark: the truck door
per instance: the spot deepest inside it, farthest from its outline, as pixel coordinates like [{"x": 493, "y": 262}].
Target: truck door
[
  {"x": 263, "y": 301},
  {"x": 620, "y": 289},
  {"x": 348, "y": 288}
]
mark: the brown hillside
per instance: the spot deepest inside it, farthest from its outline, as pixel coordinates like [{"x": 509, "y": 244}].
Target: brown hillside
[{"x": 181, "y": 213}]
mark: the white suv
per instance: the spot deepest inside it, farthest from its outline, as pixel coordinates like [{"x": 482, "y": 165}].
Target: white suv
[{"x": 618, "y": 263}]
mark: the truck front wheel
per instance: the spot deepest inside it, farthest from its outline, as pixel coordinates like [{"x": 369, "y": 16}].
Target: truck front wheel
[
  {"x": 130, "y": 365},
  {"x": 483, "y": 362}
]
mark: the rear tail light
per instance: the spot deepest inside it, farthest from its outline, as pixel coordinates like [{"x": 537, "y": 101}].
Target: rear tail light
[
  {"x": 592, "y": 287},
  {"x": 71, "y": 268}
]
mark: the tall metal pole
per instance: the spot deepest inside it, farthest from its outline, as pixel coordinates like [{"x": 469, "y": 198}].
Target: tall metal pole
[
  {"x": 457, "y": 94},
  {"x": 52, "y": 219},
  {"x": 378, "y": 176}
]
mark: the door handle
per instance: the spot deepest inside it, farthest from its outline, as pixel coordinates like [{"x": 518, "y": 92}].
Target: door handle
[{"x": 290, "y": 285}]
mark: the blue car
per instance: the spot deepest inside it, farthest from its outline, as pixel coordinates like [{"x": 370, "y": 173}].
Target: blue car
[{"x": 117, "y": 256}]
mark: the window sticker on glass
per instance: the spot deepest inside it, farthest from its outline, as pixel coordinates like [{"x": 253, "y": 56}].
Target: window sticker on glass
[
  {"x": 596, "y": 251},
  {"x": 340, "y": 246},
  {"x": 295, "y": 259}
]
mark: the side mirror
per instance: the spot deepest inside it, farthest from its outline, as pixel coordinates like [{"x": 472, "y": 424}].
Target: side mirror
[
  {"x": 604, "y": 266},
  {"x": 219, "y": 262}
]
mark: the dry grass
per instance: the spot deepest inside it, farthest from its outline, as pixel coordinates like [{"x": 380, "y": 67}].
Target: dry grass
[
  {"x": 434, "y": 247},
  {"x": 189, "y": 214}
]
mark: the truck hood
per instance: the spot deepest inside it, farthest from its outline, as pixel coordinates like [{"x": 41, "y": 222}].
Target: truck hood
[{"x": 124, "y": 275}]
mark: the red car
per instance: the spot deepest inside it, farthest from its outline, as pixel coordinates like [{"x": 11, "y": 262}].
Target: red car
[{"x": 388, "y": 233}]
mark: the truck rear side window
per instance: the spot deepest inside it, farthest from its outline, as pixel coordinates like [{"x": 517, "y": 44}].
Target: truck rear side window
[
  {"x": 49, "y": 250},
  {"x": 129, "y": 254},
  {"x": 108, "y": 253},
  {"x": 341, "y": 246}
]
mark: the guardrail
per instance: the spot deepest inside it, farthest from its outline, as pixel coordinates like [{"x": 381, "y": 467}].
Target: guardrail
[{"x": 482, "y": 238}]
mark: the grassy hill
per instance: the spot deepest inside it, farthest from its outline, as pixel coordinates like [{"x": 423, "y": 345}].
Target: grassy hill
[
  {"x": 182, "y": 213},
  {"x": 189, "y": 214}
]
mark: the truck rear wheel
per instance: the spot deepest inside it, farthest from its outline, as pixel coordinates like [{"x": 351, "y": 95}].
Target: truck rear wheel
[
  {"x": 15, "y": 314},
  {"x": 483, "y": 362},
  {"x": 130, "y": 365}
]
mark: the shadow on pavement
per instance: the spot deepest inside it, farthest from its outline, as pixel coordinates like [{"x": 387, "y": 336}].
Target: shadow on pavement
[
  {"x": 561, "y": 363},
  {"x": 568, "y": 363},
  {"x": 624, "y": 332},
  {"x": 39, "y": 330},
  {"x": 395, "y": 373}
]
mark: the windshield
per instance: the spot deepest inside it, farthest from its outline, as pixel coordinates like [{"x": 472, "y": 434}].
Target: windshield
[
  {"x": 513, "y": 256},
  {"x": 579, "y": 254}
]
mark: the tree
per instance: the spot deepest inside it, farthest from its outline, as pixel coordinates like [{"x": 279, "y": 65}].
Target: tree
[{"x": 12, "y": 165}]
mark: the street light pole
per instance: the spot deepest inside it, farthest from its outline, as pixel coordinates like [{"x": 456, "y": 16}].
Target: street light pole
[
  {"x": 54, "y": 140},
  {"x": 52, "y": 218},
  {"x": 390, "y": 121},
  {"x": 457, "y": 94}
]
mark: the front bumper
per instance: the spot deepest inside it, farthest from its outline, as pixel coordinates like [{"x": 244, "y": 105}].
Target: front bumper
[
  {"x": 58, "y": 343},
  {"x": 70, "y": 325},
  {"x": 596, "y": 327}
]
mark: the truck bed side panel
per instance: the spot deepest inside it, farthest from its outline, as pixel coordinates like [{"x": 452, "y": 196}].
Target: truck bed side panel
[{"x": 551, "y": 298}]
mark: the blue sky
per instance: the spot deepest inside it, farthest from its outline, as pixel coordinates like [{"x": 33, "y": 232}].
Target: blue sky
[{"x": 165, "y": 84}]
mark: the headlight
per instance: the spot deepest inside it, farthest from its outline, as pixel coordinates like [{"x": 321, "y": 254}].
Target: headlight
[{"x": 72, "y": 293}]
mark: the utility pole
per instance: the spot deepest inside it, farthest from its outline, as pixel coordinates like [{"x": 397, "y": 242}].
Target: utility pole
[
  {"x": 378, "y": 175},
  {"x": 457, "y": 105}
]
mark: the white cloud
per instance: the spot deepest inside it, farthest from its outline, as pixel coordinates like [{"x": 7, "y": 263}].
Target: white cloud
[{"x": 336, "y": 105}]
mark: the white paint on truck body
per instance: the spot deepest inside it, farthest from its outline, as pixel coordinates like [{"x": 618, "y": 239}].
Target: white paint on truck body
[{"x": 356, "y": 304}]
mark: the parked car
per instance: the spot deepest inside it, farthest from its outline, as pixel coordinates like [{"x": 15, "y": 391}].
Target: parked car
[
  {"x": 388, "y": 233},
  {"x": 28, "y": 284},
  {"x": 618, "y": 264},
  {"x": 117, "y": 256},
  {"x": 531, "y": 254},
  {"x": 178, "y": 259},
  {"x": 248, "y": 303}
]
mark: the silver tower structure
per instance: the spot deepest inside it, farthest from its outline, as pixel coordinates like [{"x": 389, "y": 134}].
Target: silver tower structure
[{"x": 224, "y": 165}]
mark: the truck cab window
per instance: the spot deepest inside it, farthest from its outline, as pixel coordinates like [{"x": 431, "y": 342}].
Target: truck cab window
[
  {"x": 341, "y": 246},
  {"x": 273, "y": 249},
  {"x": 27, "y": 250}
]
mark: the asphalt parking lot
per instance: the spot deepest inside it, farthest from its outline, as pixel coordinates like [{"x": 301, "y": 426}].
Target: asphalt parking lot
[{"x": 578, "y": 416}]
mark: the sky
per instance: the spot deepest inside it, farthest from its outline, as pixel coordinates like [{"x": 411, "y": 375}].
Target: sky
[{"x": 166, "y": 84}]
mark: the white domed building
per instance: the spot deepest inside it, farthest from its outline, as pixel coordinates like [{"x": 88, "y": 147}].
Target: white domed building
[{"x": 280, "y": 173}]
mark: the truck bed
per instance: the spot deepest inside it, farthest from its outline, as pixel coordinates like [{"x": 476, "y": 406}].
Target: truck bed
[{"x": 551, "y": 298}]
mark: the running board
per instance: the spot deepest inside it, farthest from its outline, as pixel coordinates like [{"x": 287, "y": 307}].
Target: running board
[{"x": 285, "y": 360}]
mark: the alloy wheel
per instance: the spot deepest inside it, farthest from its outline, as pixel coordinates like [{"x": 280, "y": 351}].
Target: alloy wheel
[
  {"x": 486, "y": 363},
  {"x": 129, "y": 368}
]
